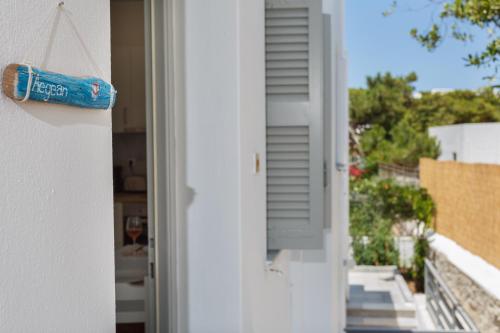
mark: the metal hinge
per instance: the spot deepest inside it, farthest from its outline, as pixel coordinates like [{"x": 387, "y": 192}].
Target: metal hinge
[
  {"x": 152, "y": 264},
  {"x": 152, "y": 270},
  {"x": 341, "y": 167},
  {"x": 325, "y": 174}
]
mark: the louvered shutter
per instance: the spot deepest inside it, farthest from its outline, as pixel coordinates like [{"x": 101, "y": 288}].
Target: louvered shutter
[{"x": 294, "y": 124}]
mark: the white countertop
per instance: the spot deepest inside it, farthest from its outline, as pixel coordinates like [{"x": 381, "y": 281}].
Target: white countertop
[{"x": 130, "y": 268}]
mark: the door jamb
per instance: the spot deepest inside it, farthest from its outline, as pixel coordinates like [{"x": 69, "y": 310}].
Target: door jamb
[{"x": 164, "y": 88}]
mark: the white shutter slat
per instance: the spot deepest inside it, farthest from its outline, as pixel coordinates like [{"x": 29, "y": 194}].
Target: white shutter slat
[
  {"x": 292, "y": 164},
  {"x": 301, "y": 172},
  {"x": 287, "y": 52},
  {"x": 287, "y": 90},
  {"x": 288, "y": 197},
  {"x": 294, "y": 124},
  {"x": 290, "y": 47},
  {"x": 287, "y": 147},
  {"x": 276, "y": 206},
  {"x": 287, "y": 39},
  {"x": 289, "y": 156},
  {"x": 287, "y": 181},
  {"x": 287, "y": 30},
  {"x": 300, "y": 73},
  {"x": 287, "y": 22},
  {"x": 274, "y": 11},
  {"x": 287, "y": 215},
  {"x": 287, "y": 64},
  {"x": 286, "y": 131},
  {"x": 285, "y": 81},
  {"x": 287, "y": 55},
  {"x": 287, "y": 189},
  {"x": 299, "y": 139}
]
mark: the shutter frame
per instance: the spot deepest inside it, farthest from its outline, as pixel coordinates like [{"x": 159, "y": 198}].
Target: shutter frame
[{"x": 294, "y": 109}]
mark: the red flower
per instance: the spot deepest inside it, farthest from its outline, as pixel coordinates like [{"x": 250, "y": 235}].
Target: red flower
[{"x": 354, "y": 171}]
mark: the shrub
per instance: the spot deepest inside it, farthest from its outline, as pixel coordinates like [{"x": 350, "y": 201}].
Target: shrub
[
  {"x": 421, "y": 250},
  {"x": 376, "y": 205},
  {"x": 377, "y": 246}
]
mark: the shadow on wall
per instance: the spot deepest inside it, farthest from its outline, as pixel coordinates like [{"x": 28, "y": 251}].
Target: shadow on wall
[{"x": 309, "y": 256}]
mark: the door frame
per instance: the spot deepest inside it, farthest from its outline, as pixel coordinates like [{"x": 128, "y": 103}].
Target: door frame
[{"x": 164, "y": 114}]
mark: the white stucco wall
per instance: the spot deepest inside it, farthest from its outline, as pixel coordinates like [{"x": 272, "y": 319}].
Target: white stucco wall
[
  {"x": 311, "y": 279},
  {"x": 212, "y": 167},
  {"x": 230, "y": 285},
  {"x": 56, "y": 229},
  {"x": 265, "y": 288},
  {"x": 472, "y": 143}
]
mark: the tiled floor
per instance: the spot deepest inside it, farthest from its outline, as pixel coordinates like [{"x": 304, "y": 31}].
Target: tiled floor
[{"x": 379, "y": 298}]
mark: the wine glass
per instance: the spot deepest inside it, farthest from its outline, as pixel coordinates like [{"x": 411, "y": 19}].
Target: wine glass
[{"x": 134, "y": 228}]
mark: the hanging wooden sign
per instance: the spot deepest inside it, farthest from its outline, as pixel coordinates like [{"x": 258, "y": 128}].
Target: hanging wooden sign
[{"x": 23, "y": 83}]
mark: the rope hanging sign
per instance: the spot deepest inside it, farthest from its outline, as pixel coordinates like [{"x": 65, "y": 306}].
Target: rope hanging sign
[{"x": 22, "y": 82}]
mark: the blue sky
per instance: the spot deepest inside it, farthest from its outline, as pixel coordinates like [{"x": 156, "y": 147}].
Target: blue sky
[{"x": 379, "y": 44}]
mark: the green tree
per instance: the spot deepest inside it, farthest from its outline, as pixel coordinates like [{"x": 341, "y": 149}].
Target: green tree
[
  {"x": 456, "y": 107},
  {"x": 384, "y": 102},
  {"x": 392, "y": 123},
  {"x": 455, "y": 19},
  {"x": 403, "y": 145},
  {"x": 375, "y": 206}
]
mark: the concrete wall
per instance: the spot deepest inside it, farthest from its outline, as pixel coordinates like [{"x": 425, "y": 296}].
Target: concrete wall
[
  {"x": 213, "y": 166},
  {"x": 265, "y": 288},
  {"x": 472, "y": 143},
  {"x": 312, "y": 278},
  {"x": 56, "y": 165},
  {"x": 56, "y": 230},
  {"x": 231, "y": 286}
]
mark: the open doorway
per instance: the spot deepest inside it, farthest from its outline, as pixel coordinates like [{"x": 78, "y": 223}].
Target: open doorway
[{"x": 130, "y": 176}]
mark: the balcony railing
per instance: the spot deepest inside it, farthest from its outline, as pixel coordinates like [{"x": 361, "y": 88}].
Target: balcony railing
[
  {"x": 447, "y": 314},
  {"x": 442, "y": 305}
]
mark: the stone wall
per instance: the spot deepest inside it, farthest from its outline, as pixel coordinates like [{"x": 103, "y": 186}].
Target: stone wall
[{"x": 483, "y": 308}]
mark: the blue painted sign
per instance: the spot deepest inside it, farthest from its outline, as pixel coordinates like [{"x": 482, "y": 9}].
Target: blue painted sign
[{"x": 29, "y": 83}]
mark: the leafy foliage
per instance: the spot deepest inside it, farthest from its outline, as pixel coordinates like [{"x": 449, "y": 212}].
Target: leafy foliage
[
  {"x": 385, "y": 101},
  {"x": 377, "y": 248},
  {"x": 456, "y": 107},
  {"x": 403, "y": 145},
  {"x": 392, "y": 123},
  {"x": 456, "y": 16},
  {"x": 421, "y": 251},
  {"x": 376, "y": 205}
]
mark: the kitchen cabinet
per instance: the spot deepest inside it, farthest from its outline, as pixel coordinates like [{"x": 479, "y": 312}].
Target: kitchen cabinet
[
  {"x": 121, "y": 79},
  {"x": 136, "y": 119},
  {"x": 128, "y": 67},
  {"x": 129, "y": 114}
]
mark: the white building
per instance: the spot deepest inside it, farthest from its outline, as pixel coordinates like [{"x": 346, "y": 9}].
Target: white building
[
  {"x": 469, "y": 143},
  {"x": 212, "y": 223}
]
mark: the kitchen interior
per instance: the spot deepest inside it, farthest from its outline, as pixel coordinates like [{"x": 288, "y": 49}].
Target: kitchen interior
[{"x": 129, "y": 165}]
